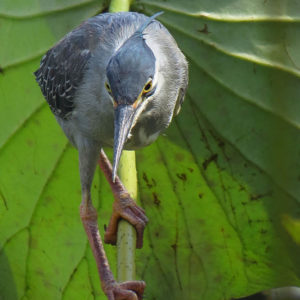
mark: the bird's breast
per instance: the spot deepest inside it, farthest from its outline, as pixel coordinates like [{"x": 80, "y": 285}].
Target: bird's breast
[
  {"x": 145, "y": 132},
  {"x": 140, "y": 139},
  {"x": 145, "y": 138}
]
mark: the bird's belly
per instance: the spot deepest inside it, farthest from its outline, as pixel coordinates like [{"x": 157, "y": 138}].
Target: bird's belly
[
  {"x": 95, "y": 125},
  {"x": 99, "y": 126},
  {"x": 138, "y": 139}
]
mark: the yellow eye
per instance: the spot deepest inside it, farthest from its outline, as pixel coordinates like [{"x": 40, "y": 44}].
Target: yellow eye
[
  {"x": 107, "y": 86},
  {"x": 147, "y": 87}
]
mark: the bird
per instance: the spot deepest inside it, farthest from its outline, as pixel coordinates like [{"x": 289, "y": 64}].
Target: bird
[{"x": 115, "y": 81}]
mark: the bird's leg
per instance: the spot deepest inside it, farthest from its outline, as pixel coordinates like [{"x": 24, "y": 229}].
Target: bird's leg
[
  {"x": 123, "y": 207},
  {"x": 130, "y": 290}
]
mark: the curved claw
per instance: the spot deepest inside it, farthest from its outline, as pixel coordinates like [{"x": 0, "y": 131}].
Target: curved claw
[
  {"x": 128, "y": 210},
  {"x": 129, "y": 290}
]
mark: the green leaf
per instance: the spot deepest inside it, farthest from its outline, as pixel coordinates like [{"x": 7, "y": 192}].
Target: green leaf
[{"x": 221, "y": 187}]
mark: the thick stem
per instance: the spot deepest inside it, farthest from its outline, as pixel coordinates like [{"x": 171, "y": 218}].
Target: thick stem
[
  {"x": 126, "y": 233},
  {"x": 127, "y": 171}
]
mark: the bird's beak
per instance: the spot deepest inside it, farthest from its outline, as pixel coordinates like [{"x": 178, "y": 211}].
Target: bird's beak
[{"x": 123, "y": 122}]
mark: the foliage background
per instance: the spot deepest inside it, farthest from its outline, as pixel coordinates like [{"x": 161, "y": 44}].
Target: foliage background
[{"x": 221, "y": 187}]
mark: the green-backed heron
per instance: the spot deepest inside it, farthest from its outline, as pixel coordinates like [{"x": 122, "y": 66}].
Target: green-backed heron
[{"x": 117, "y": 80}]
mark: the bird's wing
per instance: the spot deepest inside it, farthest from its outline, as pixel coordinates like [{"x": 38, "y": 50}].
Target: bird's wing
[{"x": 62, "y": 68}]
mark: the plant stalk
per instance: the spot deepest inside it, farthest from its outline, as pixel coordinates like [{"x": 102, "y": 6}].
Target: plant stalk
[
  {"x": 119, "y": 5},
  {"x": 126, "y": 241}
]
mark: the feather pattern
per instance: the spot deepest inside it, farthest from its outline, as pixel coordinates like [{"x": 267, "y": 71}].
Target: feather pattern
[{"x": 62, "y": 69}]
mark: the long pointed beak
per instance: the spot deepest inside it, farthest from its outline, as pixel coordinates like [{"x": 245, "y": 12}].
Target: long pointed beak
[{"x": 123, "y": 121}]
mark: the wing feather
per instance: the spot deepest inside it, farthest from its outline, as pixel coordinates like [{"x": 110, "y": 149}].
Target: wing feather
[{"x": 62, "y": 68}]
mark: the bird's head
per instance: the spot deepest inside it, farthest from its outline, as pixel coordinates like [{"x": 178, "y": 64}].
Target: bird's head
[{"x": 130, "y": 83}]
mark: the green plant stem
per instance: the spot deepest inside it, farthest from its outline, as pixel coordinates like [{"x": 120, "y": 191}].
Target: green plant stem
[
  {"x": 126, "y": 233},
  {"x": 119, "y": 5},
  {"x": 127, "y": 172}
]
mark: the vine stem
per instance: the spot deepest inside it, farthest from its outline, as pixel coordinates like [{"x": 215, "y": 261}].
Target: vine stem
[{"x": 126, "y": 241}]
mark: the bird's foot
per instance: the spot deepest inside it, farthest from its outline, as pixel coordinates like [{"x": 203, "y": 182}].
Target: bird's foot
[
  {"x": 124, "y": 207},
  {"x": 128, "y": 290}
]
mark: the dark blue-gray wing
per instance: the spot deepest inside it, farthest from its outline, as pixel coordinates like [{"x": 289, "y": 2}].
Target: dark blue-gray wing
[{"x": 62, "y": 68}]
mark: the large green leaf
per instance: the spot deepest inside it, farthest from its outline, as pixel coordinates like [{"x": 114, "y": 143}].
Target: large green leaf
[{"x": 221, "y": 188}]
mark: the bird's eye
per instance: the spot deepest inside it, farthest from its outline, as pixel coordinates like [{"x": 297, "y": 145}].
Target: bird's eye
[
  {"x": 107, "y": 86},
  {"x": 147, "y": 87}
]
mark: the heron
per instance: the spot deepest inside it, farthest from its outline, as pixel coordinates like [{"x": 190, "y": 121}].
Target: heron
[{"x": 115, "y": 81}]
